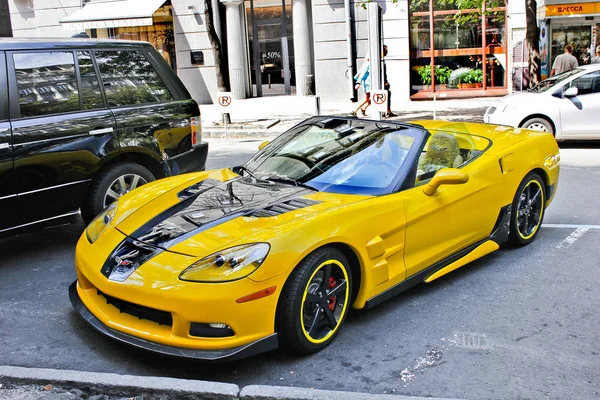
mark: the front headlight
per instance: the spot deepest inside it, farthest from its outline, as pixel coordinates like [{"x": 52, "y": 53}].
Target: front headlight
[
  {"x": 97, "y": 226},
  {"x": 227, "y": 265},
  {"x": 496, "y": 108}
]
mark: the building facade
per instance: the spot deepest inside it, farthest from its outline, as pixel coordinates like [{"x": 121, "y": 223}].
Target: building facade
[
  {"x": 304, "y": 47},
  {"x": 568, "y": 22}
]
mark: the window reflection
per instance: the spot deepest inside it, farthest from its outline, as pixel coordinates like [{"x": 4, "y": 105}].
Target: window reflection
[
  {"x": 130, "y": 79},
  {"x": 46, "y": 82},
  {"x": 90, "y": 87}
]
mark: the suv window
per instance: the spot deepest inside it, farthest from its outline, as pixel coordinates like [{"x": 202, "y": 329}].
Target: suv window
[
  {"x": 588, "y": 83},
  {"x": 90, "y": 87},
  {"x": 130, "y": 79},
  {"x": 46, "y": 82}
]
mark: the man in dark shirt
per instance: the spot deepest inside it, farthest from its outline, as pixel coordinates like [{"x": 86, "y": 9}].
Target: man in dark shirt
[{"x": 386, "y": 85}]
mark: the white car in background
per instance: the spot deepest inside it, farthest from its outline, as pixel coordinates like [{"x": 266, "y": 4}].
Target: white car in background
[{"x": 567, "y": 105}]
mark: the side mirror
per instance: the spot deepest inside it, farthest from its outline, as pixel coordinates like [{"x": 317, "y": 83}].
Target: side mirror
[
  {"x": 446, "y": 176},
  {"x": 262, "y": 145},
  {"x": 571, "y": 92}
]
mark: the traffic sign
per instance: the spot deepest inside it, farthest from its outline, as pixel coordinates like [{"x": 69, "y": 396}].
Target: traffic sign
[
  {"x": 379, "y": 100},
  {"x": 224, "y": 99}
]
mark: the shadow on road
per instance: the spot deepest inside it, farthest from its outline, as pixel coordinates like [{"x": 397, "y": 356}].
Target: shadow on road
[{"x": 41, "y": 241}]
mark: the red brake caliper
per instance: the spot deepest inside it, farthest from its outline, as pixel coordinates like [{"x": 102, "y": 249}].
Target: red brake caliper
[{"x": 332, "y": 283}]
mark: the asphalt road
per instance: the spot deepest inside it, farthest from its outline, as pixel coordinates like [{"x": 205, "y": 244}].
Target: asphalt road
[{"x": 520, "y": 323}]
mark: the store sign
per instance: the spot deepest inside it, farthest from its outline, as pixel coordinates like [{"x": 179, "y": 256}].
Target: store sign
[
  {"x": 115, "y": 23},
  {"x": 197, "y": 57},
  {"x": 558, "y": 10}
]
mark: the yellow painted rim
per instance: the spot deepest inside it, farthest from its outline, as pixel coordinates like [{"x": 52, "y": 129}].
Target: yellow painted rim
[
  {"x": 541, "y": 212},
  {"x": 326, "y": 337}
]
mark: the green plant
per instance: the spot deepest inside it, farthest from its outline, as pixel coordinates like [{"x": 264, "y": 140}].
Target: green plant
[
  {"x": 425, "y": 74},
  {"x": 442, "y": 74},
  {"x": 477, "y": 76},
  {"x": 464, "y": 76}
]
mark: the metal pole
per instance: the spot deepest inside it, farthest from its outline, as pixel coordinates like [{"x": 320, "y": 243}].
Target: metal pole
[
  {"x": 375, "y": 48},
  {"x": 349, "y": 48}
]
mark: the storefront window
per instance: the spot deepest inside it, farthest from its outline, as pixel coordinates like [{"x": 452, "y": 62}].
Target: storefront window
[
  {"x": 468, "y": 44},
  {"x": 580, "y": 37},
  {"x": 160, "y": 34}
]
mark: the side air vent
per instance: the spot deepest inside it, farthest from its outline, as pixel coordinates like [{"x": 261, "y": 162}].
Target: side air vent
[{"x": 283, "y": 207}]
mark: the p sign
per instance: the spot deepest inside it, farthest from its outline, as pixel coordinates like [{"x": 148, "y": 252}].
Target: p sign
[
  {"x": 379, "y": 100},
  {"x": 224, "y": 99}
]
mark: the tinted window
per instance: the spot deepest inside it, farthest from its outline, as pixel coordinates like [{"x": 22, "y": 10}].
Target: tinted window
[
  {"x": 90, "y": 87},
  {"x": 553, "y": 81},
  {"x": 46, "y": 83},
  {"x": 130, "y": 79},
  {"x": 588, "y": 83}
]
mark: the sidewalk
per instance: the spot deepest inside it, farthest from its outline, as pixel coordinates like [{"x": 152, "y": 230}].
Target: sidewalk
[{"x": 270, "y": 116}]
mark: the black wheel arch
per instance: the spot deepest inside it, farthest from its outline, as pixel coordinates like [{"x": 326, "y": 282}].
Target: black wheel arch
[
  {"x": 542, "y": 116},
  {"x": 147, "y": 159},
  {"x": 355, "y": 268}
]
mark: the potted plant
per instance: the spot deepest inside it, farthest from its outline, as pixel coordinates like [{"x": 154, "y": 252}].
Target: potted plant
[
  {"x": 464, "y": 79},
  {"x": 477, "y": 78},
  {"x": 425, "y": 74},
  {"x": 442, "y": 76}
]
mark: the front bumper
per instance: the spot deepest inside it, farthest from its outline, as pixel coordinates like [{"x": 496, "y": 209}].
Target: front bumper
[
  {"x": 267, "y": 343},
  {"x": 153, "y": 306},
  {"x": 191, "y": 161}
]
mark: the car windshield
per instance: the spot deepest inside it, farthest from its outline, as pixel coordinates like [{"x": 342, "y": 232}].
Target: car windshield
[
  {"x": 340, "y": 155},
  {"x": 550, "y": 82}
]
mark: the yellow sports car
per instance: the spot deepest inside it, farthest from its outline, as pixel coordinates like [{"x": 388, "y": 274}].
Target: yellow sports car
[{"x": 336, "y": 213}]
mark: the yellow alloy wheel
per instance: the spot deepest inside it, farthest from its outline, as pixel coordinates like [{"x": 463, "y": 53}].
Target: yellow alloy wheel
[
  {"x": 315, "y": 301},
  {"x": 530, "y": 209},
  {"x": 527, "y": 210},
  {"x": 324, "y": 302}
]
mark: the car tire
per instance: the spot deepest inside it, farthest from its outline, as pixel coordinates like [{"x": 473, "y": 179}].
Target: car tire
[
  {"x": 527, "y": 211},
  {"x": 307, "y": 319},
  {"x": 110, "y": 179},
  {"x": 538, "y": 124}
]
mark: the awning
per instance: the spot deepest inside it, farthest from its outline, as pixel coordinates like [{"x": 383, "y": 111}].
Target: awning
[{"x": 112, "y": 14}]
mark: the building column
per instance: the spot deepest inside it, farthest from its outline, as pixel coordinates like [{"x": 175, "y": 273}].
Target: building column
[
  {"x": 302, "y": 59},
  {"x": 235, "y": 48}
]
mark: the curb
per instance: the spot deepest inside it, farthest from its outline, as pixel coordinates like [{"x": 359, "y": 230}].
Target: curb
[
  {"x": 121, "y": 385},
  {"x": 152, "y": 387},
  {"x": 265, "y": 392}
]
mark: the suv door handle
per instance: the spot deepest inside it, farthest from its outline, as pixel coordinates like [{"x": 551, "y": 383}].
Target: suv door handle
[{"x": 101, "y": 131}]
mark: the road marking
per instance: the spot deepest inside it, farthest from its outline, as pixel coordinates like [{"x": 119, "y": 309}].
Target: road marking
[
  {"x": 572, "y": 238},
  {"x": 570, "y": 226}
]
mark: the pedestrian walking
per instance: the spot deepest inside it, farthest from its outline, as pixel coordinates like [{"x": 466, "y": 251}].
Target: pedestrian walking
[
  {"x": 363, "y": 78},
  {"x": 386, "y": 85},
  {"x": 596, "y": 58},
  {"x": 564, "y": 62}
]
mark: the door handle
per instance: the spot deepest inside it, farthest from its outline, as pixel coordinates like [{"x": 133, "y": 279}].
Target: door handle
[
  {"x": 4, "y": 146},
  {"x": 101, "y": 131}
]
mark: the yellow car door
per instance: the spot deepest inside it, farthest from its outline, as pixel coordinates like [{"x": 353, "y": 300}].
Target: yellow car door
[{"x": 456, "y": 215}]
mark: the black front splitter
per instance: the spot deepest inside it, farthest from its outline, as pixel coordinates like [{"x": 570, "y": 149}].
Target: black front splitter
[{"x": 267, "y": 343}]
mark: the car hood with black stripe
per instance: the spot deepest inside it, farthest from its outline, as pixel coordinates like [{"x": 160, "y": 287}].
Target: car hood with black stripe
[{"x": 204, "y": 215}]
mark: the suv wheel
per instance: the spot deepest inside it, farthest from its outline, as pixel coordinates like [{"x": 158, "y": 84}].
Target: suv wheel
[{"x": 111, "y": 184}]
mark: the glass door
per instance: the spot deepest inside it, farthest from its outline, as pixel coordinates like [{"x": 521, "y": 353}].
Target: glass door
[{"x": 271, "y": 44}]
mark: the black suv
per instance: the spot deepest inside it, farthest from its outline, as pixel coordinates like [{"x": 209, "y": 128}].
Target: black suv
[{"x": 83, "y": 122}]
